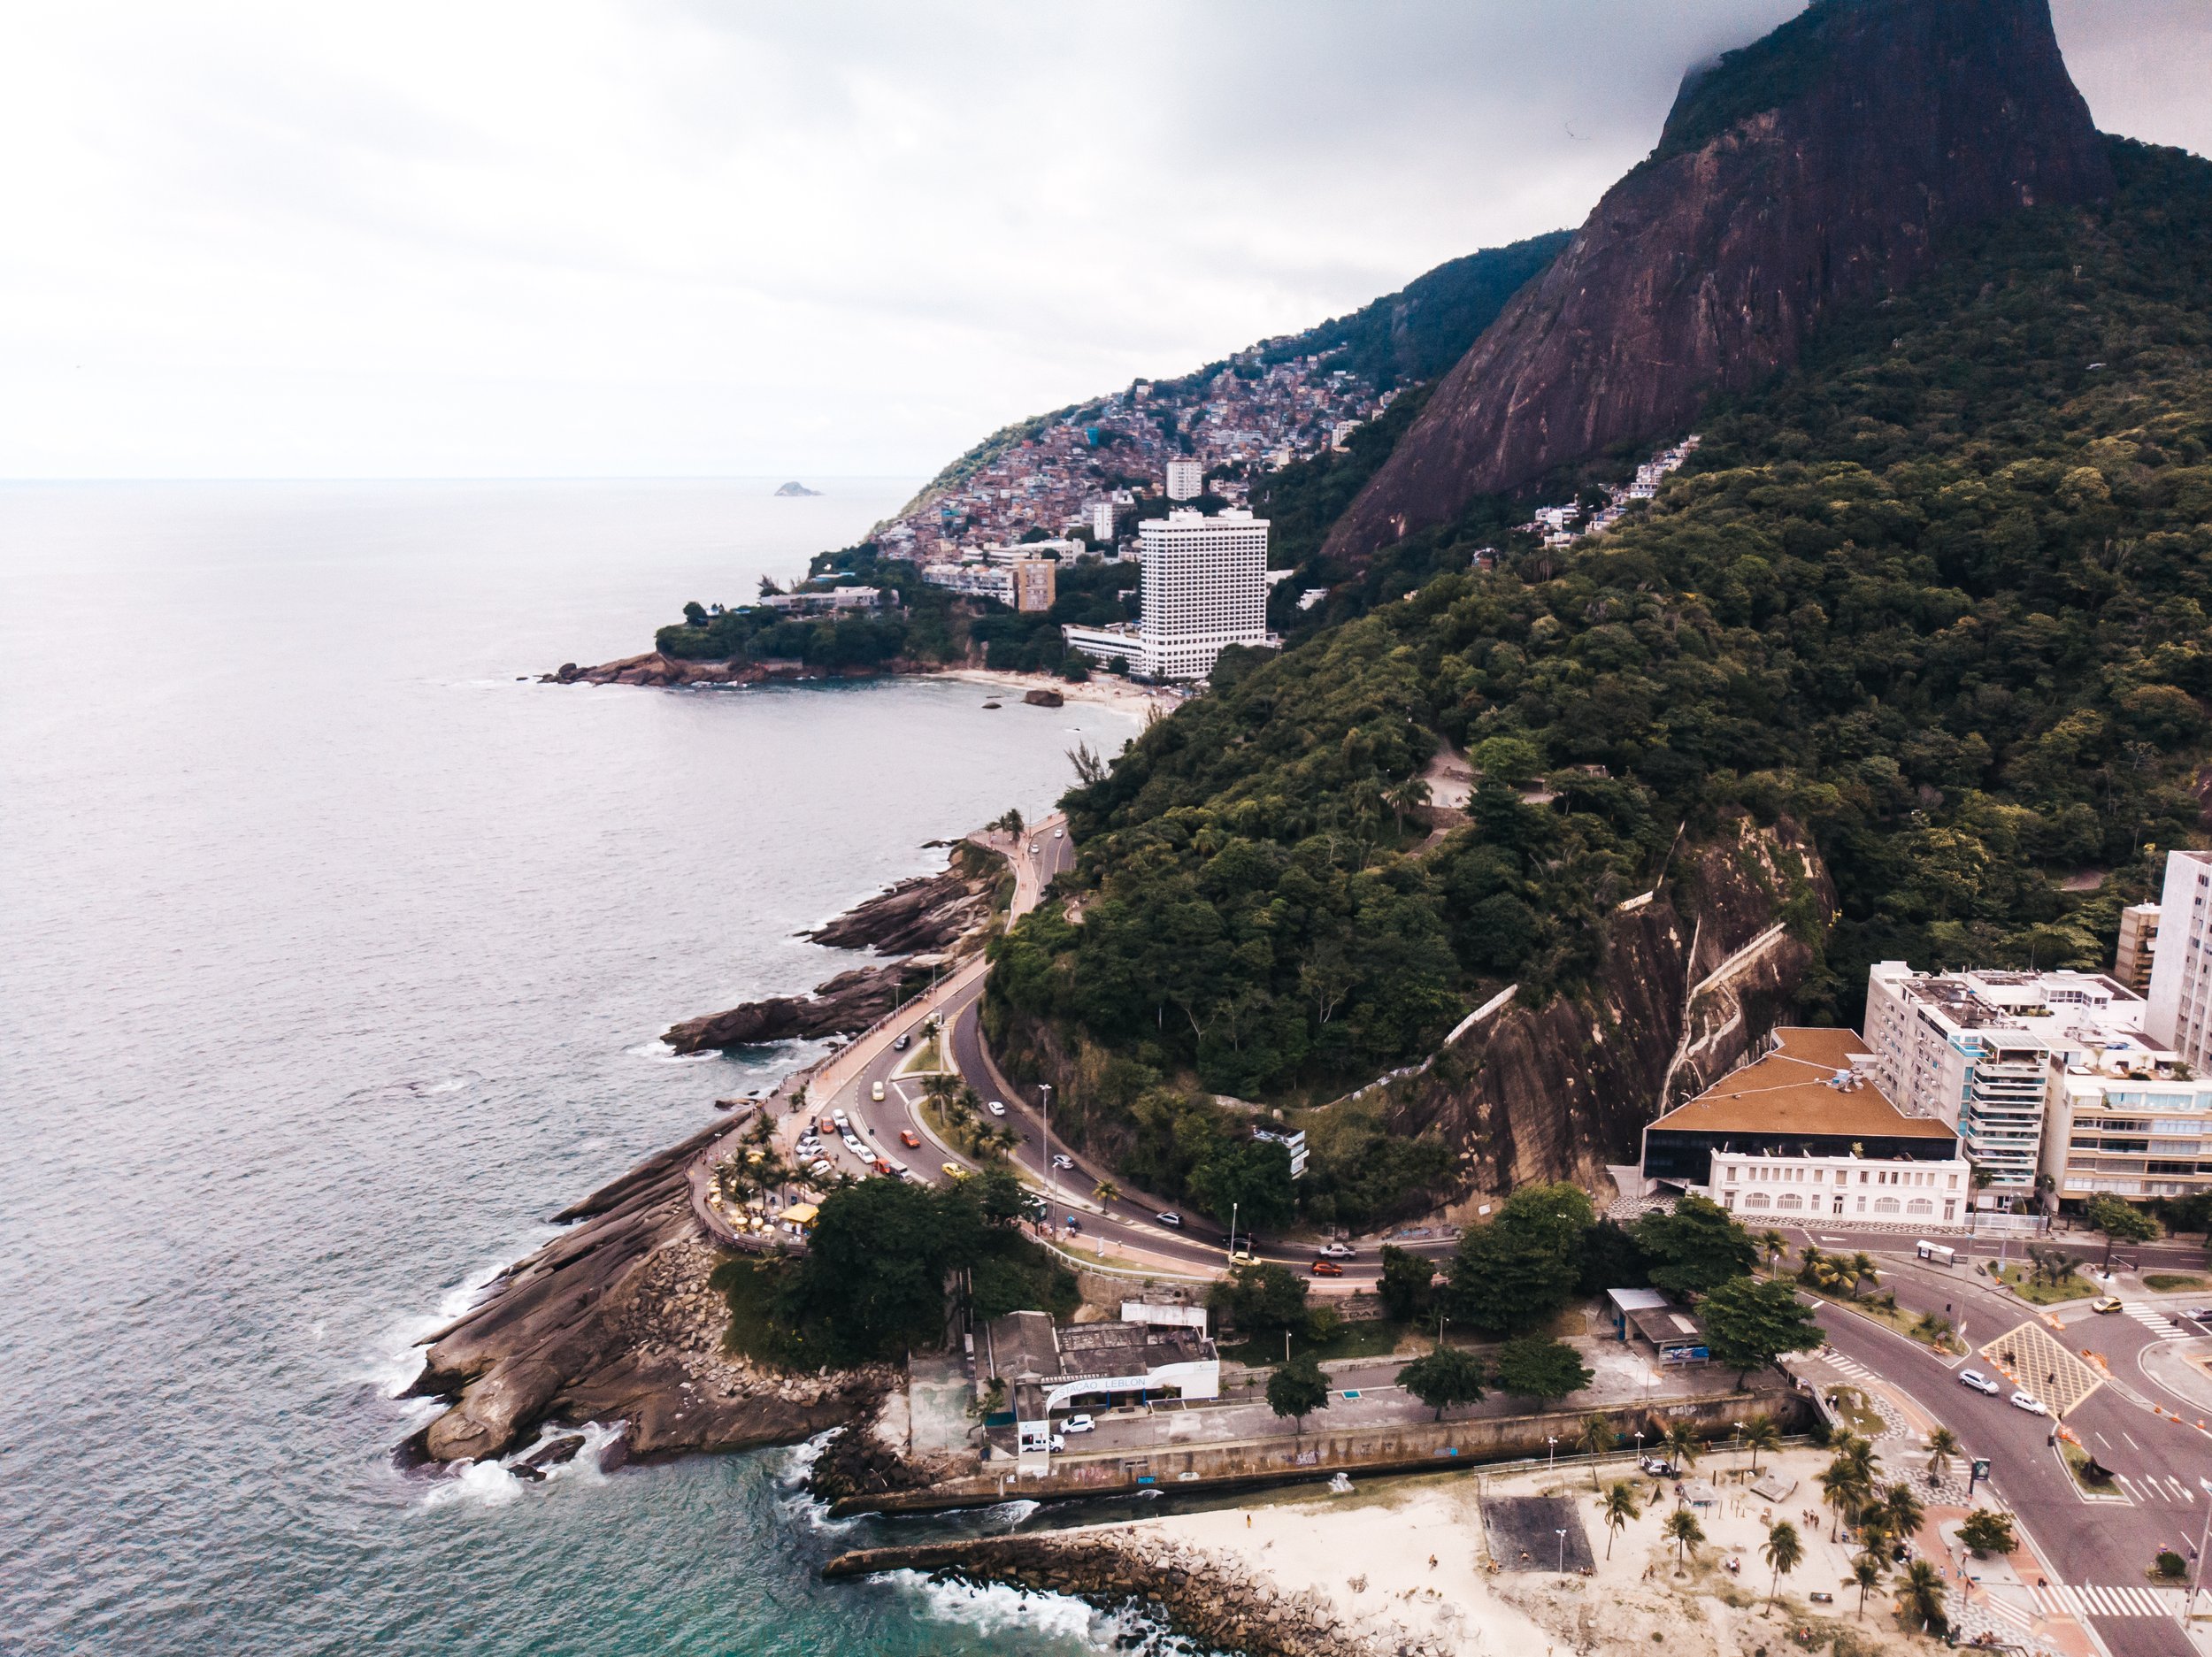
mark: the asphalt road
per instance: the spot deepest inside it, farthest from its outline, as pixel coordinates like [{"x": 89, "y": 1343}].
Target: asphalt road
[{"x": 2101, "y": 1543}]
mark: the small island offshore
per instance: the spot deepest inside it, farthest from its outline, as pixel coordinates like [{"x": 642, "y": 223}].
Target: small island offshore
[
  {"x": 1632, "y": 918},
  {"x": 796, "y": 488}
]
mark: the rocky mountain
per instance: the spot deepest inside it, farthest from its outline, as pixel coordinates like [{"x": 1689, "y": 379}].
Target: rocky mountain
[{"x": 1826, "y": 163}]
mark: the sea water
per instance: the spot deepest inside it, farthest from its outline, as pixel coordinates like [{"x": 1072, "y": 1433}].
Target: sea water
[{"x": 334, "y": 949}]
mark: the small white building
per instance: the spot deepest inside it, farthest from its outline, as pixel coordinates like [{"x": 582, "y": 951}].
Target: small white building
[{"x": 1186, "y": 479}]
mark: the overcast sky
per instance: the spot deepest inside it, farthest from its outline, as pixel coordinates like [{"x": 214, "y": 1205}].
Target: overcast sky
[{"x": 557, "y": 238}]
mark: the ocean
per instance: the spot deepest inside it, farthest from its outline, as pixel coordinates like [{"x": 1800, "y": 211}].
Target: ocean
[{"x": 335, "y": 955}]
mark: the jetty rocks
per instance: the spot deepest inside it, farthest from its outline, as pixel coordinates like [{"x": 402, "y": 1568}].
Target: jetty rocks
[{"x": 1209, "y": 1600}]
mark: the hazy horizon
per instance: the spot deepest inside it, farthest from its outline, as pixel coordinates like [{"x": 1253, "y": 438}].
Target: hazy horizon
[{"x": 681, "y": 240}]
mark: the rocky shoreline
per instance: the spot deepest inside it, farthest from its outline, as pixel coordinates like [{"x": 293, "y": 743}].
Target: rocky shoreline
[
  {"x": 926, "y": 921},
  {"x": 1202, "y": 1596}
]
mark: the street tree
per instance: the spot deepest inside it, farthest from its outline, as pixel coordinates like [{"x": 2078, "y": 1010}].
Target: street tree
[
  {"x": 1683, "y": 1530},
  {"x": 1986, "y": 1532},
  {"x": 1784, "y": 1552},
  {"x": 1920, "y": 1597},
  {"x": 1297, "y": 1389},
  {"x": 1847, "y": 1487},
  {"x": 1536, "y": 1366},
  {"x": 1904, "y": 1510},
  {"x": 1512, "y": 1273},
  {"x": 1943, "y": 1447},
  {"x": 1618, "y": 1509},
  {"x": 1682, "y": 1446},
  {"x": 1696, "y": 1249},
  {"x": 1105, "y": 1192},
  {"x": 1749, "y": 1323},
  {"x": 1444, "y": 1379},
  {"x": 1261, "y": 1299},
  {"x": 2120, "y": 1221},
  {"x": 1593, "y": 1438},
  {"x": 1407, "y": 1284},
  {"x": 1760, "y": 1433},
  {"x": 1772, "y": 1245}
]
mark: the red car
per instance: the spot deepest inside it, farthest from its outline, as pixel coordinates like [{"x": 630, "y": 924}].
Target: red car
[
  {"x": 909, "y": 1138},
  {"x": 1327, "y": 1268}
]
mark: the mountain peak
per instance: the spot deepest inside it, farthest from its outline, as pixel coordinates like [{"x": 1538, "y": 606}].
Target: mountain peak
[{"x": 1821, "y": 164}]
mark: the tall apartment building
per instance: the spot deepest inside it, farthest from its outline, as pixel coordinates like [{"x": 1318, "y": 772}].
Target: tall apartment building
[
  {"x": 2138, "y": 948},
  {"x": 1186, "y": 479},
  {"x": 1984, "y": 1052},
  {"x": 1102, "y": 523},
  {"x": 1036, "y": 582},
  {"x": 1204, "y": 587},
  {"x": 2181, "y": 974}
]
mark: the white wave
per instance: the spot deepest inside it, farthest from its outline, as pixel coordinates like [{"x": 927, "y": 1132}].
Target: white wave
[
  {"x": 484, "y": 1484},
  {"x": 800, "y": 1504},
  {"x": 996, "y": 1608},
  {"x": 1008, "y": 1514},
  {"x": 394, "y": 1359},
  {"x": 661, "y": 1053}
]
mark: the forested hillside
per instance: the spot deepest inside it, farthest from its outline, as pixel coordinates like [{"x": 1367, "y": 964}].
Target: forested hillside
[{"x": 1938, "y": 594}]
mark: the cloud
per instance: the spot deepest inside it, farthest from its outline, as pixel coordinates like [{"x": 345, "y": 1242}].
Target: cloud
[{"x": 555, "y": 238}]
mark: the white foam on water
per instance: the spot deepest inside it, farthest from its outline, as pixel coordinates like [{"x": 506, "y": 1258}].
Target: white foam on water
[
  {"x": 997, "y": 1608},
  {"x": 800, "y": 1504},
  {"x": 479, "y": 1484},
  {"x": 661, "y": 1053},
  {"x": 1008, "y": 1514},
  {"x": 394, "y": 1359}
]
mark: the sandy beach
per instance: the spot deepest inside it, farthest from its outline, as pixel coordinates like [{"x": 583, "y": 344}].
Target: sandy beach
[{"x": 1107, "y": 689}]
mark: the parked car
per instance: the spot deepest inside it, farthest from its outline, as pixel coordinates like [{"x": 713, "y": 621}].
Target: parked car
[
  {"x": 1060, "y": 1160},
  {"x": 2029, "y": 1402},
  {"x": 875, "y": 1091},
  {"x": 821, "y": 1170},
  {"x": 1168, "y": 1217},
  {"x": 909, "y": 1138},
  {"x": 1336, "y": 1250},
  {"x": 1077, "y": 1423},
  {"x": 953, "y": 1170},
  {"x": 997, "y": 1107},
  {"x": 1059, "y": 1442},
  {"x": 882, "y": 1165},
  {"x": 840, "y": 1118},
  {"x": 828, "y": 1127},
  {"x": 1980, "y": 1382},
  {"x": 1657, "y": 1467},
  {"x": 2108, "y": 1303},
  {"x": 1327, "y": 1268}
]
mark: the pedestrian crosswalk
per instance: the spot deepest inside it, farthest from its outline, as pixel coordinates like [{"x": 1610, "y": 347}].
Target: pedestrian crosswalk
[
  {"x": 1850, "y": 1367},
  {"x": 2157, "y": 1487},
  {"x": 2159, "y": 1326},
  {"x": 2079, "y": 1599}
]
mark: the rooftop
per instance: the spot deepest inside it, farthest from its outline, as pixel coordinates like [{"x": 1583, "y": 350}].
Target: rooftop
[{"x": 1807, "y": 1085}]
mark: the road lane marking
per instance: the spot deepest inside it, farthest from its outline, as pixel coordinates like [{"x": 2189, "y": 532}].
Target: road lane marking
[{"x": 2133, "y": 1444}]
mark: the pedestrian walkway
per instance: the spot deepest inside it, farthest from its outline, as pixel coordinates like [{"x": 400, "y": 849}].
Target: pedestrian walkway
[
  {"x": 2078, "y": 1599},
  {"x": 2149, "y": 1316}
]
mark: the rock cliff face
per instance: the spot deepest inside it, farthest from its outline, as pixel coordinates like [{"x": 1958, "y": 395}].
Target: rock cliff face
[
  {"x": 1691, "y": 979},
  {"x": 1822, "y": 163}
]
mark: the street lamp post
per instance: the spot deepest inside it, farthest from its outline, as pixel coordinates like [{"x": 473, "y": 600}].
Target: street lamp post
[
  {"x": 1232, "y": 1232},
  {"x": 1052, "y": 1183},
  {"x": 1551, "y": 1456},
  {"x": 1563, "y": 1551},
  {"x": 2189, "y": 1607}
]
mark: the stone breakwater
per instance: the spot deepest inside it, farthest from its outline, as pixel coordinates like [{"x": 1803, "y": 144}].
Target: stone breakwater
[{"x": 1203, "y": 1597}]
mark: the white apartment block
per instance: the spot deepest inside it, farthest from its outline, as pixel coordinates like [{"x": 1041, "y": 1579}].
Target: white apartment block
[
  {"x": 1186, "y": 479},
  {"x": 2181, "y": 971},
  {"x": 2041, "y": 1072},
  {"x": 973, "y": 580},
  {"x": 1204, "y": 588},
  {"x": 1102, "y": 523}
]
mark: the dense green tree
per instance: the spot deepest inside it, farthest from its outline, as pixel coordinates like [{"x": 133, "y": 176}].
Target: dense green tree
[
  {"x": 1261, "y": 1299},
  {"x": 1749, "y": 1323},
  {"x": 1697, "y": 1247},
  {"x": 1298, "y": 1388},
  {"x": 1612, "y": 1258},
  {"x": 1515, "y": 1270},
  {"x": 1444, "y": 1379},
  {"x": 1537, "y": 1366},
  {"x": 1251, "y": 1177},
  {"x": 1406, "y": 1284},
  {"x": 2120, "y": 1221},
  {"x": 1985, "y": 1532}
]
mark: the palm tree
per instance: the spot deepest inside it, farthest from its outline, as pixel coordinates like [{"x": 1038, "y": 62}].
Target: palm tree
[
  {"x": 1773, "y": 1244},
  {"x": 1875, "y": 1537},
  {"x": 1760, "y": 1433},
  {"x": 1684, "y": 1530},
  {"x": 1105, "y": 1192},
  {"x": 1619, "y": 1507},
  {"x": 1810, "y": 1263},
  {"x": 1920, "y": 1597},
  {"x": 1943, "y": 1445},
  {"x": 1863, "y": 1274},
  {"x": 1681, "y": 1443},
  {"x": 1596, "y": 1437},
  {"x": 1866, "y": 1570},
  {"x": 1785, "y": 1552},
  {"x": 1902, "y": 1509},
  {"x": 1844, "y": 1487},
  {"x": 1405, "y": 796}
]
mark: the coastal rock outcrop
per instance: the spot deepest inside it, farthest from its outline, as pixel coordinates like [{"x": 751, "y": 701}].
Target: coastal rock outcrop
[
  {"x": 850, "y": 1001},
  {"x": 930, "y": 912},
  {"x": 1823, "y": 164},
  {"x": 654, "y": 669},
  {"x": 614, "y": 1321},
  {"x": 1209, "y": 1600}
]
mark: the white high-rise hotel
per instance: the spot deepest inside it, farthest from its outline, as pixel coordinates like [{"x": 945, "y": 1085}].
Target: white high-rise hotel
[
  {"x": 1204, "y": 588},
  {"x": 2181, "y": 971}
]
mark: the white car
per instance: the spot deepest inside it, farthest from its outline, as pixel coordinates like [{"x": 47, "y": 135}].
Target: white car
[
  {"x": 1059, "y": 1443},
  {"x": 840, "y": 1118},
  {"x": 876, "y": 1091},
  {"x": 821, "y": 1170},
  {"x": 997, "y": 1108},
  {"x": 1980, "y": 1382},
  {"x": 1077, "y": 1423},
  {"x": 1061, "y": 1161},
  {"x": 2030, "y": 1403},
  {"x": 852, "y": 1145},
  {"x": 1169, "y": 1217},
  {"x": 1059, "y": 834},
  {"x": 1336, "y": 1250}
]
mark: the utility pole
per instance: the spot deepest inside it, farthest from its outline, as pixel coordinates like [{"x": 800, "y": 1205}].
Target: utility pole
[
  {"x": 2189, "y": 1608},
  {"x": 1052, "y": 1183},
  {"x": 1232, "y": 1229}
]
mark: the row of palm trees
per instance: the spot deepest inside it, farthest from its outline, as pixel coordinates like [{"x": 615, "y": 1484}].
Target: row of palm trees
[{"x": 1882, "y": 1513}]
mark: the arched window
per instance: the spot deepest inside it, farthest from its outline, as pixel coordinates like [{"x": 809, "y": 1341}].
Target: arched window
[
  {"x": 1789, "y": 1200},
  {"x": 1920, "y": 1205},
  {"x": 1757, "y": 1200},
  {"x": 1885, "y": 1205}
]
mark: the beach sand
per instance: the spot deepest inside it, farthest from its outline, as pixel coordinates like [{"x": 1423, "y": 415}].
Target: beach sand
[{"x": 1107, "y": 689}]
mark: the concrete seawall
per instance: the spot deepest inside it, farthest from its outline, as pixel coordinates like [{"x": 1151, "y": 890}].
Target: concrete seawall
[{"x": 1407, "y": 1447}]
